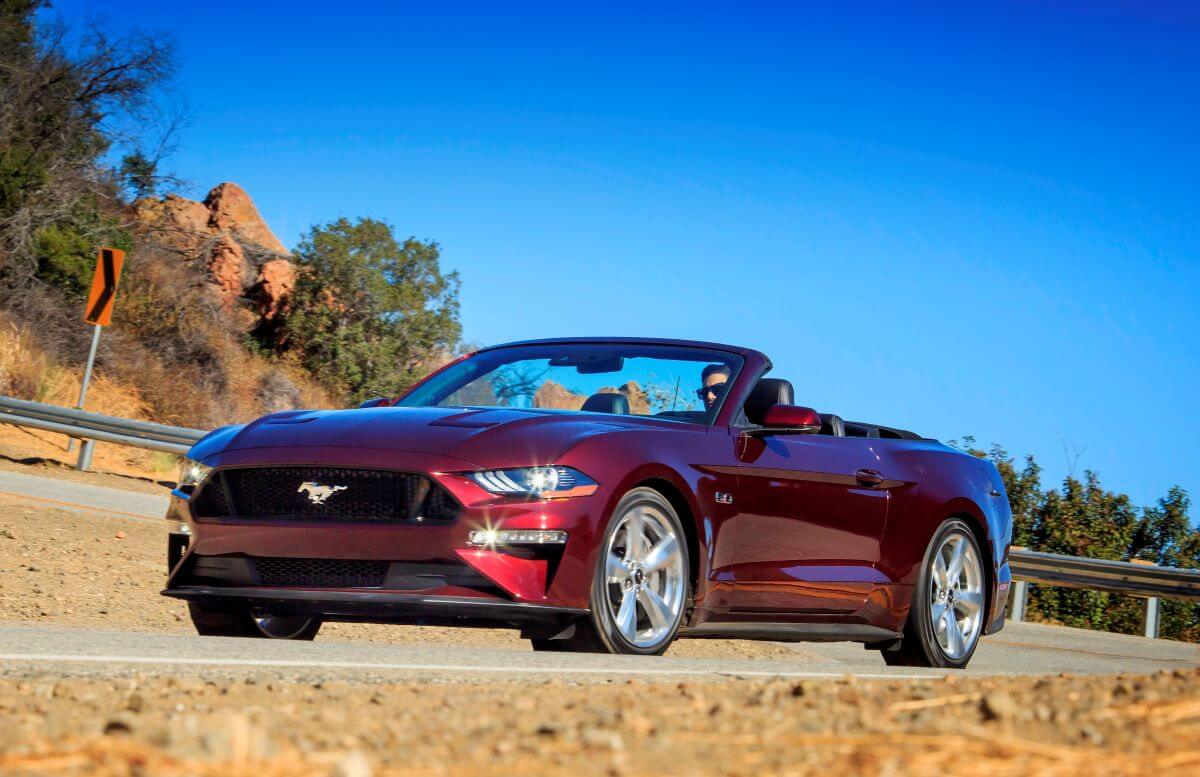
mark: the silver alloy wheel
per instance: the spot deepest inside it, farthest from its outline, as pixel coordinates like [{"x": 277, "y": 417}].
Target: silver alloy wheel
[
  {"x": 644, "y": 576},
  {"x": 280, "y": 626},
  {"x": 956, "y": 595}
]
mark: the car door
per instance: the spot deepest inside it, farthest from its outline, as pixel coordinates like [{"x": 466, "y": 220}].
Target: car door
[{"x": 810, "y": 513}]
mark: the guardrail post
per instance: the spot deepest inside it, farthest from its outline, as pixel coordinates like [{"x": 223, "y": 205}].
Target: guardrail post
[
  {"x": 83, "y": 387},
  {"x": 85, "y": 456},
  {"x": 1153, "y": 607},
  {"x": 1018, "y": 595}
]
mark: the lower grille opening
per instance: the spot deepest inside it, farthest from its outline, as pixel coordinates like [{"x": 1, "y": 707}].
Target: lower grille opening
[
  {"x": 321, "y": 573},
  {"x": 338, "y": 573}
]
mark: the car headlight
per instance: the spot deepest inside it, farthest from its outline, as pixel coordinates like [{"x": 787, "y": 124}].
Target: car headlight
[
  {"x": 539, "y": 482},
  {"x": 192, "y": 474}
]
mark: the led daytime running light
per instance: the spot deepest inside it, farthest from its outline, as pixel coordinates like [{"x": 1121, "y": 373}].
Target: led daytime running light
[
  {"x": 490, "y": 538},
  {"x": 534, "y": 481}
]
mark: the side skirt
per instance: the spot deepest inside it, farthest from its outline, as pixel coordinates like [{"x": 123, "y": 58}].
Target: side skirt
[{"x": 791, "y": 632}]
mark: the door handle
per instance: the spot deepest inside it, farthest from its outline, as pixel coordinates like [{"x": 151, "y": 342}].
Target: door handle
[{"x": 868, "y": 477}]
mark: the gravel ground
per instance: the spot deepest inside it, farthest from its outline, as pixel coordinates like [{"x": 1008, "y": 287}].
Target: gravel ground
[{"x": 1018, "y": 726}]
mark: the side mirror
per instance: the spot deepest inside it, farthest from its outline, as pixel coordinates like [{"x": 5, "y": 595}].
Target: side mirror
[
  {"x": 790, "y": 419},
  {"x": 374, "y": 402}
]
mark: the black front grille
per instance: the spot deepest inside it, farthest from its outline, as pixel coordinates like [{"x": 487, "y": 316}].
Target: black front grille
[
  {"x": 320, "y": 572},
  {"x": 335, "y": 494}
]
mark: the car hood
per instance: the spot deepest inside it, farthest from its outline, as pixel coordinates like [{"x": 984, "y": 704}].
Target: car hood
[{"x": 498, "y": 437}]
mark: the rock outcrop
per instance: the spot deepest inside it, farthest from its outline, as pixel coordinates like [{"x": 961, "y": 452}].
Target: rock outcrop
[
  {"x": 231, "y": 211},
  {"x": 554, "y": 395},
  {"x": 244, "y": 259}
]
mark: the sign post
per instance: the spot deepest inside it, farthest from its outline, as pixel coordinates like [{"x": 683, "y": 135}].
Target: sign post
[{"x": 98, "y": 313}]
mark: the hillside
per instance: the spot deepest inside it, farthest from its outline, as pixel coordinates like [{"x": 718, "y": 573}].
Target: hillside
[{"x": 203, "y": 277}]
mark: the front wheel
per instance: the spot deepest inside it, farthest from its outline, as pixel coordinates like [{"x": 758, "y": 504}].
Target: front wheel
[
  {"x": 947, "y": 613},
  {"x": 241, "y": 622},
  {"x": 641, "y": 584}
]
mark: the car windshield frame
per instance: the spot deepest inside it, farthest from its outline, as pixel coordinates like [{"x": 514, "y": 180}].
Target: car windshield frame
[{"x": 442, "y": 384}]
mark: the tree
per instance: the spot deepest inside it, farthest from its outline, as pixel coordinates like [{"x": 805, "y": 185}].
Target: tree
[
  {"x": 63, "y": 108},
  {"x": 1083, "y": 519},
  {"x": 369, "y": 315},
  {"x": 1165, "y": 536}
]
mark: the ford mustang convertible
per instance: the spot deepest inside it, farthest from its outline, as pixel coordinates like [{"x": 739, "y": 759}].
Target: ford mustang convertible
[{"x": 607, "y": 494}]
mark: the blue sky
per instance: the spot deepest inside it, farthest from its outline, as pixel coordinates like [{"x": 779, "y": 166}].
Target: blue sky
[{"x": 971, "y": 220}]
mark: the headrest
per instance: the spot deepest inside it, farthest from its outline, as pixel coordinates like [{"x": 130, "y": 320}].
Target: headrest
[
  {"x": 833, "y": 425},
  {"x": 861, "y": 430},
  {"x": 767, "y": 392},
  {"x": 607, "y": 402}
]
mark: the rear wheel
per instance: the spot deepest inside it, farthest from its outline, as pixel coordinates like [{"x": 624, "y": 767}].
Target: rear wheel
[
  {"x": 241, "y": 622},
  {"x": 947, "y": 613},
  {"x": 640, "y": 586}
]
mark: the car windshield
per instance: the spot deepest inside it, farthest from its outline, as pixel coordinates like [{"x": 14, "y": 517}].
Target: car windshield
[{"x": 678, "y": 383}]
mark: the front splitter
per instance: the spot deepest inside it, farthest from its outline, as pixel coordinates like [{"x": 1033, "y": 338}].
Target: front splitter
[{"x": 382, "y": 606}]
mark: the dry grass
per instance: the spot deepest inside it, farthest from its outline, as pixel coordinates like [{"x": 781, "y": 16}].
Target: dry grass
[
  {"x": 29, "y": 372},
  {"x": 182, "y": 366}
]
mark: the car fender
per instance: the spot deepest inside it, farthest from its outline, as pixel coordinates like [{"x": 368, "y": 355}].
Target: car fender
[{"x": 622, "y": 460}]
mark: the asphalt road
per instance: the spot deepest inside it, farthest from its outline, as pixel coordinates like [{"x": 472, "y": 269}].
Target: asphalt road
[
  {"x": 1020, "y": 648},
  {"x": 1026, "y": 649},
  {"x": 84, "y": 497}
]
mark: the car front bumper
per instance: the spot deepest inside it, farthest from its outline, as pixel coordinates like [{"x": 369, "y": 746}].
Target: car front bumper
[{"x": 484, "y": 585}]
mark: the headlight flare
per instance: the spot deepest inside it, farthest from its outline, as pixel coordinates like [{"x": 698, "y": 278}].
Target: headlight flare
[
  {"x": 490, "y": 539},
  {"x": 539, "y": 482}
]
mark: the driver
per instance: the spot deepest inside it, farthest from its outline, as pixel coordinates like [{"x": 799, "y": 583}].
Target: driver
[{"x": 712, "y": 384}]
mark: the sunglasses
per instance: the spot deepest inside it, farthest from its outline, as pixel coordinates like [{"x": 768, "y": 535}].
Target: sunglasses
[{"x": 717, "y": 389}]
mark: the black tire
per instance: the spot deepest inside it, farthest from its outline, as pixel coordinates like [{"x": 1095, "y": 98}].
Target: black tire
[
  {"x": 240, "y": 622},
  {"x": 920, "y": 646},
  {"x": 597, "y": 632}
]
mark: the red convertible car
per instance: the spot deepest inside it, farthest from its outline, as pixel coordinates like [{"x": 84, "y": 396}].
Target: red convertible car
[{"x": 607, "y": 494}]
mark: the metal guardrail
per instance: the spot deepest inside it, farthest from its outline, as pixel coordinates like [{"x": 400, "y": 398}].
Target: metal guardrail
[
  {"x": 94, "y": 426},
  {"x": 1141, "y": 579},
  {"x": 1096, "y": 574},
  {"x": 1123, "y": 577}
]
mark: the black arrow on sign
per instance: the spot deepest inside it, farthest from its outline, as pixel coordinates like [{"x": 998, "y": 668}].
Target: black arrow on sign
[{"x": 110, "y": 285}]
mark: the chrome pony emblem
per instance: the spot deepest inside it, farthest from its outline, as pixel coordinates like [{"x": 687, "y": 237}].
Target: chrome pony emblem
[{"x": 317, "y": 493}]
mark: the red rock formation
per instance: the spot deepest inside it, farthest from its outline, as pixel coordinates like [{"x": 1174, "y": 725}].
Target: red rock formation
[
  {"x": 243, "y": 257},
  {"x": 555, "y": 396},
  {"x": 639, "y": 401},
  {"x": 276, "y": 279},
  {"x": 226, "y": 267},
  {"x": 232, "y": 211}
]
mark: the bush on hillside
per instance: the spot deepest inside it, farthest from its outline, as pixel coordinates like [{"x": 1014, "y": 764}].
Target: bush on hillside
[
  {"x": 369, "y": 315},
  {"x": 1082, "y": 518}
]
